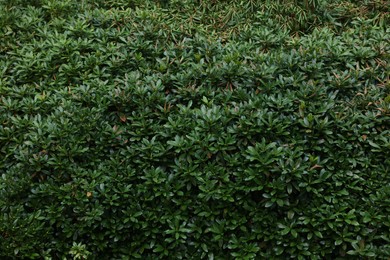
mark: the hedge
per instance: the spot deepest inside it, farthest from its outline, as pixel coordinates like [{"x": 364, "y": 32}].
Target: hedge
[{"x": 187, "y": 130}]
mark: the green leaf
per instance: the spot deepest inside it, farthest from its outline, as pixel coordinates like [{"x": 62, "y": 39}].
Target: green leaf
[
  {"x": 285, "y": 231},
  {"x": 290, "y": 214},
  {"x": 352, "y": 252},
  {"x": 289, "y": 188},
  {"x": 318, "y": 234},
  {"x": 374, "y": 144},
  {"x": 158, "y": 249},
  {"x": 278, "y": 250},
  {"x": 294, "y": 233}
]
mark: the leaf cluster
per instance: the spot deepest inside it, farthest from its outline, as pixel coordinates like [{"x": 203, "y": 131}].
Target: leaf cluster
[{"x": 182, "y": 129}]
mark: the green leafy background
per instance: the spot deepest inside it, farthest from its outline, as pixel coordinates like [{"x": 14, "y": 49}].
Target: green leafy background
[{"x": 194, "y": 129}]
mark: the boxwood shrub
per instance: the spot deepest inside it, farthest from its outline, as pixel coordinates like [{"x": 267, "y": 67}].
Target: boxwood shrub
[{"x": 194, "y": 130}]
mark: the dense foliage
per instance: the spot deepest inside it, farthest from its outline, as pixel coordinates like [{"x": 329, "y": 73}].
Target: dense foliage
[{"x": 194, "y": 129}]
